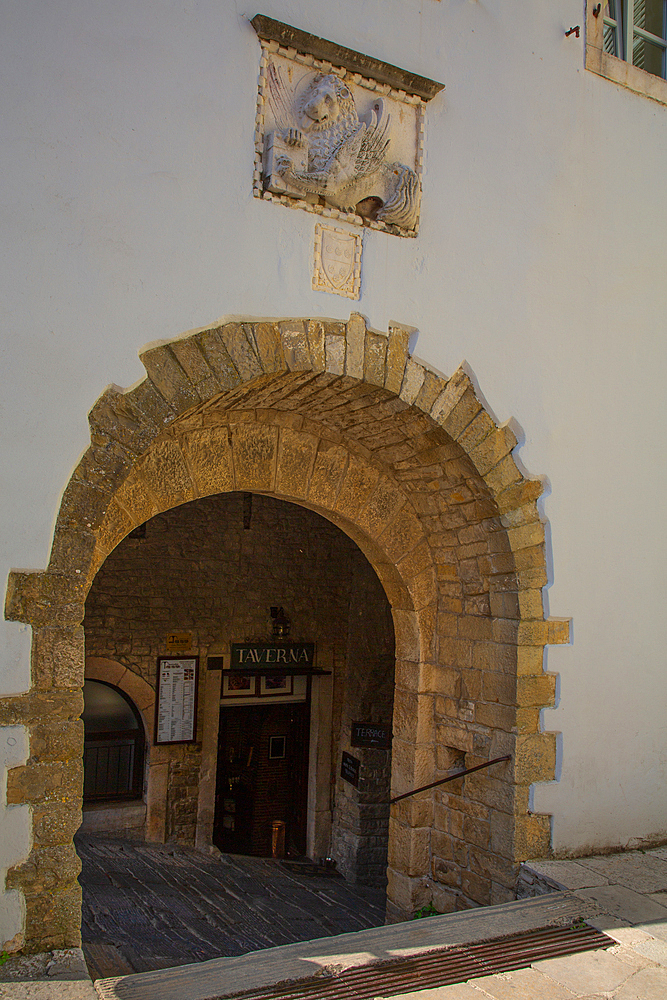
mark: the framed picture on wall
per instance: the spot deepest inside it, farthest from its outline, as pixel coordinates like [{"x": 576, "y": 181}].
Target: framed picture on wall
[
  {"x": 237, "y": 685},
  {"x": 176, "y": 699},
  {"x": 276, "y": 684}
]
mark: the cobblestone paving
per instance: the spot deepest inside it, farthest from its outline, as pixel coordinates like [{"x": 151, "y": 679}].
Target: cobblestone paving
[{"x": 150, "y": 906}]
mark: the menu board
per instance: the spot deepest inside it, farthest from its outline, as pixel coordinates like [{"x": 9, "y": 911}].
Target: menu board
[{"x": 176, "y": 702}]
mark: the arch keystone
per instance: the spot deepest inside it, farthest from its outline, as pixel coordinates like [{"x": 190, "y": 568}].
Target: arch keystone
[
  {"x": 254, "y": 449},
  {"x": 355, "y": 345},
  {"x": 316, "y": 344},
  {"x": 334, "y": 348},
  {"x": 295, "y": 346},
  {"x": 375, "y": 355}
]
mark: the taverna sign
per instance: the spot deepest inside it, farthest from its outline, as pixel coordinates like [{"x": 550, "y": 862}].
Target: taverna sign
[{"x": 253, "y": 655}]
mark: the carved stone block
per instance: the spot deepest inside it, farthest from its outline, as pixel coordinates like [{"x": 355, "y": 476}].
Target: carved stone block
[
  {"x": 337, "y": 263},
  {"x": 333, "y": 142}
]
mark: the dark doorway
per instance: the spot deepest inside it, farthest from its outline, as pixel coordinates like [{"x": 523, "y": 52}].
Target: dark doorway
[
  {"x": 262, "y": 777},
  {"x": 113, "y": 755}
]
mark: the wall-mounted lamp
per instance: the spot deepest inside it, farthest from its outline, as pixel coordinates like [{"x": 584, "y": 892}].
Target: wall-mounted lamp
[{"x": 281, "y": 623}]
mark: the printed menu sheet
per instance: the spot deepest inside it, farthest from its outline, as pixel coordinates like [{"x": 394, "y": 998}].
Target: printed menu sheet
[{"x": 177, "y": 686}]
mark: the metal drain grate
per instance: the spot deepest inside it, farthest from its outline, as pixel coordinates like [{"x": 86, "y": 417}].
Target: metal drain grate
[{"x": 437, "y": 968}]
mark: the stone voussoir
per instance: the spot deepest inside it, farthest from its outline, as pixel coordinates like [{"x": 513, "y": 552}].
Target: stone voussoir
[
  {"x": 114, "y": 416},
  {"x": 168, "y": 377},
  {"x": 397, "y": 356}
]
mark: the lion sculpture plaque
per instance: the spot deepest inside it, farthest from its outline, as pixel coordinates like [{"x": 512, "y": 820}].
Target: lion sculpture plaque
[{"x": 335, "y": 143}]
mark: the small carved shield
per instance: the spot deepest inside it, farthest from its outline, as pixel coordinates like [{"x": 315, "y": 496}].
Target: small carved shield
[{"x": 337, "y": 257}]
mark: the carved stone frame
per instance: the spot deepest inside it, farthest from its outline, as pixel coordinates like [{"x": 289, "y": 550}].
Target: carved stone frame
[{"x": 270, "y": 47}]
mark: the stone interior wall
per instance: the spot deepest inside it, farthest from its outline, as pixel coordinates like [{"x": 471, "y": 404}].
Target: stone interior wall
[
  {"x": 198, "y": 570},
  {"x": 361, "y": 816}
]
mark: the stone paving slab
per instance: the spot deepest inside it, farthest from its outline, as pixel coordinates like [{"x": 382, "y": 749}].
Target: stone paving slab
[
  {"x": 523, "y": 984},
  {"x": 653, "y": 949},
  {"x": 649, "y": 984},
  {"x": 460, "y": 991},
  {"x": 566, "y": 874},
  {"x": 48, "y": 991},
  {"x": 637, "y": 870},
  {"x": 588, "y": 972},
  {"x": 618, "y": 900}
]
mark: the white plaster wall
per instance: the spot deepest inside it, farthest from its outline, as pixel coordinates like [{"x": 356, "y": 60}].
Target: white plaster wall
[
  {"x": 15, "y": 839},
  {"x": 128, "y": 217}
]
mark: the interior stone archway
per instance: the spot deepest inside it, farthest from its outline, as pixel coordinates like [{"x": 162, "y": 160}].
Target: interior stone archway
[{"x": 410, "y": 465}]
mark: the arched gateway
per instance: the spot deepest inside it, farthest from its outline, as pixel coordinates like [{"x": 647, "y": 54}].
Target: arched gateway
[{"x": 341, "y": 420}]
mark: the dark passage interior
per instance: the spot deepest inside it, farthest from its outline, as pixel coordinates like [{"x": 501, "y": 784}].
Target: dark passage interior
[{"x": 265, "y": 749}]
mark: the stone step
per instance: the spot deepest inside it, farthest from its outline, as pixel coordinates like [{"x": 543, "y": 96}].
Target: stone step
[{"x": 262, "y": 969}]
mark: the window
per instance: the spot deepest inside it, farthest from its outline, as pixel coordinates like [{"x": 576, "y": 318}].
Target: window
[
  {"x": 635, "y": 30},
  {"x": 113, "y": 752},
  {"x": 626, "y": 41}
]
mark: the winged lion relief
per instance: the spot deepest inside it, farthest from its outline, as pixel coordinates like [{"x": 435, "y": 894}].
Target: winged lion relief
[{"x": 332, "y": 143}]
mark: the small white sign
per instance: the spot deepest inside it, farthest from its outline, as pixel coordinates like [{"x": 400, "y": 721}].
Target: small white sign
[{"x": 176, "y": 699}]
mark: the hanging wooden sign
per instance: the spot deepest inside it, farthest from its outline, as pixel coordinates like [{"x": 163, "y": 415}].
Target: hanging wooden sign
[
  {"x": 253, "y": 655},
  {"x": 367, "y": 734}
]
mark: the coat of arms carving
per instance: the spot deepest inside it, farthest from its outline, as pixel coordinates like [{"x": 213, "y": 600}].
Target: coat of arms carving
[
  {"x": 337, "y": 261},
  {"x": 334, "y": 141}
]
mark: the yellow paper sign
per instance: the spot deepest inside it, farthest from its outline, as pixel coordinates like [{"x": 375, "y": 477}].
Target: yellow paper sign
[{"x": 179, "y": 642}]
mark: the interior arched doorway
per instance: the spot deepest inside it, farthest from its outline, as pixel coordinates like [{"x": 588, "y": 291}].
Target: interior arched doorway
[
  {"x": 210, "y": 571},
  {"x": 409, "y": 465}
]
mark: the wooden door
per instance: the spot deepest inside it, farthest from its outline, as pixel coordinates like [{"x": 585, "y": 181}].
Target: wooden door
[{"x": 262, "y": 777}]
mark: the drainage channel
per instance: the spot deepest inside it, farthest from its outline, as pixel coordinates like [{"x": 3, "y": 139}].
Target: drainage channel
[{"x": 437, "y": 968}]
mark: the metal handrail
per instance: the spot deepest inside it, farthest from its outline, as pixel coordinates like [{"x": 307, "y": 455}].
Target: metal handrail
[{"x": 452, "y": 777}]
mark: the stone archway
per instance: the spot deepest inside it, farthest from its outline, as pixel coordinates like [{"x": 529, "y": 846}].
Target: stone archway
[{"x": 341, "y": 420}]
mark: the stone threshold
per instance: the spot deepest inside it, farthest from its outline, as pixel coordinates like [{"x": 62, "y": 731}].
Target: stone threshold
[
  {"x": 47, "y": 975},
  {"x": 262, "y": 969}
]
